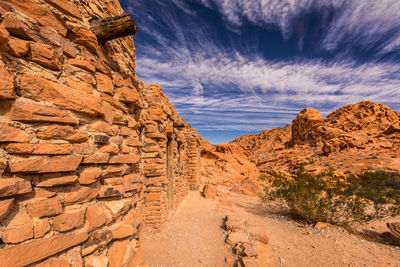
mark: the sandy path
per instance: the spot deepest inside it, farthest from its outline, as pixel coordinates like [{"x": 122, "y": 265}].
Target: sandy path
[
  {"x": 192, "y": 237},
  {"x": 293, "y": 244}
]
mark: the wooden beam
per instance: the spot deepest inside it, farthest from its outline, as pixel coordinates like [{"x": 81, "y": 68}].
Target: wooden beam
[{"x": 113, "y": 27}]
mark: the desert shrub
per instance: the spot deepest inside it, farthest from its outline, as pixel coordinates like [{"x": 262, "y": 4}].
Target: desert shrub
[{"x": 326, "y": 198}]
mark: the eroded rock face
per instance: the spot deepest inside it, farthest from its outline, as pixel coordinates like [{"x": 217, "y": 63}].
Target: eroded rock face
[{"x": 353, "y": 138}]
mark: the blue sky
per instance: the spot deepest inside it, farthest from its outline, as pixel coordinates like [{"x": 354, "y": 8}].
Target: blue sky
[{"x": 235, "y": 67}]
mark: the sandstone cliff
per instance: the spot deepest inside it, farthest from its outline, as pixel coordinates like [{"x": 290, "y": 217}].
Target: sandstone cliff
[{"x": 353, "y": 138}]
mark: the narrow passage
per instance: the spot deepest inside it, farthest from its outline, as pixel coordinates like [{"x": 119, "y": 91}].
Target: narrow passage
[{"x": 192, "y": 237}]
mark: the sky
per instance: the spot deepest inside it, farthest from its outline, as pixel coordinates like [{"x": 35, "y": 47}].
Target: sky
[{"x": 236, "y": 67}]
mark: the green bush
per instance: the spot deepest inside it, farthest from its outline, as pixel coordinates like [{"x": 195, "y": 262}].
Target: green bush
[{"x": 326, "y": 198}]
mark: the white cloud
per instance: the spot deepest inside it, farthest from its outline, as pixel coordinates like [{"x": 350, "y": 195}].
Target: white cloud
[{"x": 363, "y": 21}]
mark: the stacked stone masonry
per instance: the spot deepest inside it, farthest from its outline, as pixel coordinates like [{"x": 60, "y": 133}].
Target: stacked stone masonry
[{"x": 89, "y": 154}]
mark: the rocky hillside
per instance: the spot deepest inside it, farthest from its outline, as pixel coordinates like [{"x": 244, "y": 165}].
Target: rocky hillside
[{"x": 359, "y": 136}]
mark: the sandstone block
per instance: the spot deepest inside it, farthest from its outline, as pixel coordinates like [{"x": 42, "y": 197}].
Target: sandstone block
[
  {"x": 236, "y": 237},
  {"x": 67, "y": 7},
  {"x": 16, "y": 27},
  {"x": 41, "y": 227},
  {"x": 79, "y": 85},
  {"x": 123, "y": 230},
  {"x": 5, "y": 207},
  {"x": 209, "y": 191},
  {"x": 44, "y": 207},
  {"x": 27, "y": 253},
  {"x": 90, "y": 175},
  {"x": 6, "y": 84},
  {"x": 21, "y": 111},
  {"x": 96, "y": 216},
  {"x": 40, "y": 89},
  {"x": 97, "y": 241},
  {"x": 57, "y": 40},
  {"x": 12, "y": 134},
  {"x": 46, "y": 164},
  {"x": 111, "y": 191},
  {"x": 101, "y": 127},
  {"x": 117, "y": 252},
  {"x": 125, "y": 159},
  {"x": 39, "y": 12},
  {"x": 101, "y": 139},
  {"x": 81, "y": 64},
  {"x": 14, "y": 186},
  {"x": 39, "y": 149},
  {"x": 65, "y": 180},
  {"x": 67, "y": 221},
  {"x": 112, "y": 149},
  {"x": 45, "y": 56},
  {"x": 4, "y": 35},
  {"x": 128, "y": 95},
  {"x": 104, "y": 84},
  {"x": 84, "y": 194},
  {"x": 17, "y": 234},
  {"x": 18, "y": 47},
  {"x": 84, "y": 37},
  {"x": 63, "y": 133},
  {"x": 97, "y": 158}
]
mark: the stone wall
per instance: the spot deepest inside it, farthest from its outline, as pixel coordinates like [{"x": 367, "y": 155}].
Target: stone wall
[{"x": 89, "y": 154}]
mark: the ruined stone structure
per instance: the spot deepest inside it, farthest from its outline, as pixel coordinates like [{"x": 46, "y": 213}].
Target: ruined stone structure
[{"x": 89, "y": 154}]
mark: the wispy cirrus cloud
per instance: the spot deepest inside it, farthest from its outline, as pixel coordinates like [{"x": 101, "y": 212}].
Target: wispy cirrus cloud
[{"x": 219, "y": 79}]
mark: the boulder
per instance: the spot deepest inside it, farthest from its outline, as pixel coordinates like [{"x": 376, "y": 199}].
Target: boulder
[{"x": 209, "y": 192}]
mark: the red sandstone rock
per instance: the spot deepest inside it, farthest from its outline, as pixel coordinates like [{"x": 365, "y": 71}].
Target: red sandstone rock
[
  {"x": 101, "y": 127},
  {"x": 90, "y": 175},
  {"x": 81, "y": 85},
  {"x": 97, "y": 158},
  {"x": 39, "y": 12},
  {"x": 111, "y": 191},
  {"x": 16, "y": 27},
  {"x": 128, "y": 95},
  {"x": 45, "y": 56},
  {"x": 97, "y": 241},
  {"x": 96, "y": 261},
  {"x": 6, "y": 84},
  {"x": 36, "y": 250},
  {"x": 67, "y": 221},
  {"x": 258, "y": 232},
  {"x": 4, "y": 35},
  {"x": 40, "y": 89},
  {"x": 81, "y": 64},
  {"x": 112, "y": 149},
  {"x": 67, "y": 7},
  {"x": 123, "y": 230},
  {"x": 117, "y": 252},
  {"x": 104, "y": 84},
  {"x": 22, "y": 111},
  {"x": 209, "y": 192},
  {"x": 39, "y": 149},
  {"x": 125, "y": 159},
  {"x": 5, "y": 207},
  {"x": 17, "y": 234},
  {"x": 12, "y": 134},
  {"x": 44, "y": 208},
  {"x": 41, "y": 227},
  {"x": 84, "y": 37},
  {"x": 96, "y": 216},
  {"x": 63, "y": 133},
  {"x": 18, "y": 47},
  {"x": 14, "y": 186},
  {"x": 84, "y": 194},
  {"x": 46, "y": 164},
  {"x": 65, "y": 180},
  {"x": 58, "y": 42}
]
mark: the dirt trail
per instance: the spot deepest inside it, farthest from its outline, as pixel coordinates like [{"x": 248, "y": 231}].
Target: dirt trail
[
  {"x": 293, "y": 244},
  {"x": 192, "y": 237}
]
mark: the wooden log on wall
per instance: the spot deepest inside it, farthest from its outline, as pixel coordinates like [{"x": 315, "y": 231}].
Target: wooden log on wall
[{"x": 113, "y": 27}]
